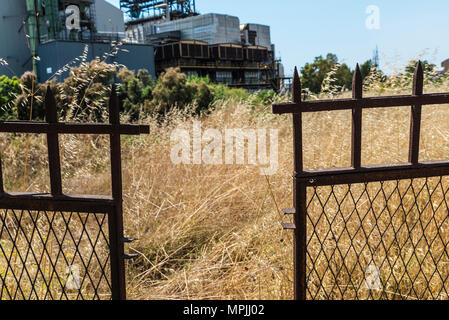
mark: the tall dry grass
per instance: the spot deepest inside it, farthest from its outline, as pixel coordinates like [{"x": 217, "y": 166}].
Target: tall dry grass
[{"x": 213, "y": 232}]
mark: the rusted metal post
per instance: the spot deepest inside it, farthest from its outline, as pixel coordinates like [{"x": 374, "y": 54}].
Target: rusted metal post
[
  {"x": 54, "y": 160},
  {"x": 116, "y": 216},
  {"x": 2, "y": 190},
  {"x": 415, "y": 121},
  {"x": 299, "y": 199},
  {"x": 357, "y": 93}
]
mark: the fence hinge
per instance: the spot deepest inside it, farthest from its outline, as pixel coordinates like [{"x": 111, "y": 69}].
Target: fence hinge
[
  {"x": 289, "y": 211},
  {"x": 288, "y": 226},
  {"x": 130, "y": 256},
  {"x": 129, "y": 240}
]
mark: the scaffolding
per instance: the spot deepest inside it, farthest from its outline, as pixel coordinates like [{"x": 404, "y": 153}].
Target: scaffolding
[{"x": 158, "y": 9}]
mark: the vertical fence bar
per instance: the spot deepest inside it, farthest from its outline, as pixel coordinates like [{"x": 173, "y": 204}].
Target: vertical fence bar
[
  {"x": 415, "y": 118},
  {"x": 54, "y": 160},
  {"x": 116, "y": 217},
  {"x": 299, "y": 200},
  {"x": 357, "y": 93},
  {"x": 2, "y": 190}
]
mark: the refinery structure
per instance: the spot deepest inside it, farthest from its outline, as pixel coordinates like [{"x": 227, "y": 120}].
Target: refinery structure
[{"x": 40, "y": 35}]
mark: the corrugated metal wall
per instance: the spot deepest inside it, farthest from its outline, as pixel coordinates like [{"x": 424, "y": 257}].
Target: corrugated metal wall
[
  {"x": 211, "y": 28},
  {"x": 56, "y": 54},
  {"x": 13, "y": 44}
]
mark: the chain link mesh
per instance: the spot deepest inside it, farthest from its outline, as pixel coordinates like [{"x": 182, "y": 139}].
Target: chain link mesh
[
  {"x": 54, "y": 255},
  {"x": 379, "y": 240}
]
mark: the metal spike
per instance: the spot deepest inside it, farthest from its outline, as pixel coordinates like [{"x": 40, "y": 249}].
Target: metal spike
[
  {"x": 296, "y": 87},
  {"x": 114, "y": 106},
  {"x": 51, "y": 114},
  {"x": 418, "y": 79},
  {"x": 357, "y": 83}
]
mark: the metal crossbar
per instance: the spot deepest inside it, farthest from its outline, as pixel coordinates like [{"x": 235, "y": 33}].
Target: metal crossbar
[
  {"x": 58, "y": 246},
  {"x": 369, "y": 232}
]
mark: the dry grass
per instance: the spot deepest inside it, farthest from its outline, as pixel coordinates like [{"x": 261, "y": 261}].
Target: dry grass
[{"x": 213, "y": 232}]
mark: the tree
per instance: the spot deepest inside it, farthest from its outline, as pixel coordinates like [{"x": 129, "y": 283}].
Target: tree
[
  {"x": 313, "y": 74},
  {"x": 427, "y": 67},
  {"x": 366, "y": 67}
]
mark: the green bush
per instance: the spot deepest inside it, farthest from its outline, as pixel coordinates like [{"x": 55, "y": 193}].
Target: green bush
[
  {"x": 223, "y": 92},
  {"x": 172, "y": 90},
  {"x": 9, "y": 90},
  {"x": 84, "y": 94},
  {"x": 31, "y": 97},
  {"x": 265, "y": 97},
  {"x": 135, "y": 91}
]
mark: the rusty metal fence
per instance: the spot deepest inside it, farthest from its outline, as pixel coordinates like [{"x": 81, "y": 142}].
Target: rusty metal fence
[
  {"x": 57, "y": 246},
  {"x": 369, "y": 232}
]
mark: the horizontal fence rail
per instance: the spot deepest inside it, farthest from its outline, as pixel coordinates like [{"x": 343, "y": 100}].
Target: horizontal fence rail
[
  {"x": 369, "y": 232},
  {"x": 58, "y": 246}
]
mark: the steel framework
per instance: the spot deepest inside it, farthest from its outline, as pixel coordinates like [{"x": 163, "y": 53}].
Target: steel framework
[{"x": 157, "y": 8}]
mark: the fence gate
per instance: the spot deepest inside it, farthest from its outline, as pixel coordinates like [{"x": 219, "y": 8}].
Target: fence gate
[
  {"x": 370, "y": 232},
  {"x": 57, "y": 246}
]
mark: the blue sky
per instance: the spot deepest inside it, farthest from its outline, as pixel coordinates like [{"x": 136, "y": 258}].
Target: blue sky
[{"x": 304, "y": 29}]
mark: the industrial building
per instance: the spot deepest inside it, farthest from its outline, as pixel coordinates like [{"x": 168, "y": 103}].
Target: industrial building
[
  {"x": 35, "y": 36},
  {"x": 158, "y": 34},
  {"x": 213, "y": 45}
]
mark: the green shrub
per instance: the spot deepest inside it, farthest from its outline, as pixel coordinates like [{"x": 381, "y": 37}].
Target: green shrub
[
  {"x": 265, "y": 97},
  {"x": 9, "y": 90},
  {"x": 223, "y": 92},
  {"x": 85, "y": 93},
  {"x": 172, "y": 90}
]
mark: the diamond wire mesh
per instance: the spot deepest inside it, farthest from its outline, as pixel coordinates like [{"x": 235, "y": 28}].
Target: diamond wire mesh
[
  {"x": 51, "y": 255},
  {"x": 379, "y": 240}
]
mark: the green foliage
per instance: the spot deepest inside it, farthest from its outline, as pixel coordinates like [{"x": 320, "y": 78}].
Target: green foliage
[
  {"x": 223, "y": 92},
  {"x": 265, "y": 97},
  {"x": 366, "y": 67},
  {"x": 173, "y": 90},
  {"x": 313, "y": 74},
  {"x": 31, "y": 97},
  {"x": 86, "y": 91},
  {"x": 9, "y": 89},
  {"x": 135, "y": 91},
  {"x": 327, "y": 75},
  {"x": 144, "y": 76},
  {"x": 378, "y": 82},
  {"x": 84, "y": 94},
  {"x": 204, "y": 96}
]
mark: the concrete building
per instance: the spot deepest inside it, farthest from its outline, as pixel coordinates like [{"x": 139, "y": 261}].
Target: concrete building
[
  {"x": 14, "y": 47},
  {"x": 210, "y": 45},
  {"x": 256, "y": 35},
  {"x": 109, "y": 19},
  {"x": 25, "y": 34},
  {"x": 212, "y": 28}
]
